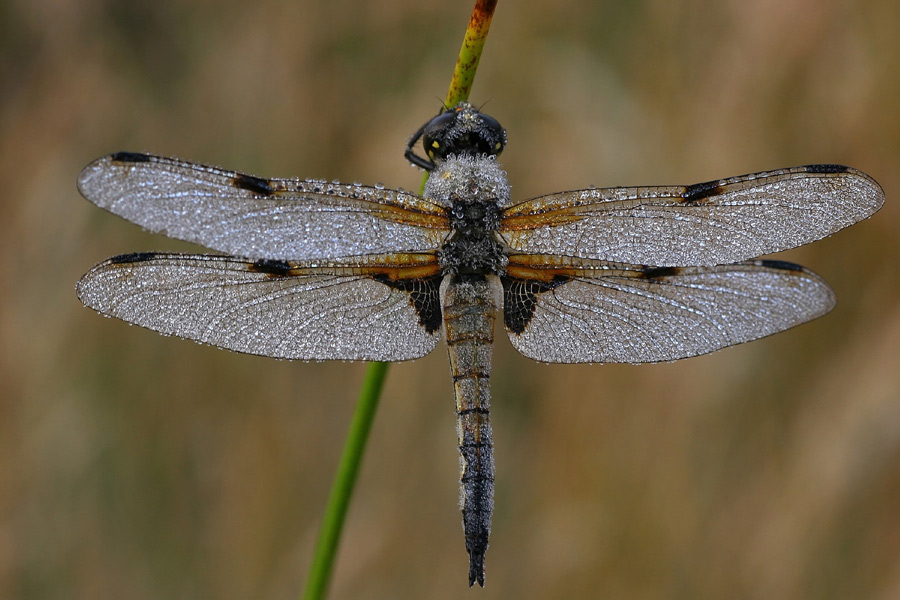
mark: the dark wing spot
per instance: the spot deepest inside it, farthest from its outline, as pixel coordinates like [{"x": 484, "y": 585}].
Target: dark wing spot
[
  {"x": 275, "y": 268},
  {"x": 133, "y": 257},
  {"x": 520, "y": 300},
  {"x": 826, "y": 169},
  {"x": 476, "y": 410},
  {"x": 700, "y": 191},
  {"x": 257, "y": 185},
  {"x": 424, "y": 295},
  {"x": 130, "y": 157},
  {"x": 654, "y": 272},
  {"x": 780, "y": 264}
]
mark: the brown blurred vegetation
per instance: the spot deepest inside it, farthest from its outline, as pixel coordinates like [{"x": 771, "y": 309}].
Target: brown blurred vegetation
[{"x": 137, "y": 466}]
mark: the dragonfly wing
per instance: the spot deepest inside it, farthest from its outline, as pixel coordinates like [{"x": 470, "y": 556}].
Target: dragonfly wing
[
  {"x": 269, "y": 308},
  {"x": 243, "y": 215},
  {"x": 707, "y": 224},
  {"x": 629, "y": 314}
]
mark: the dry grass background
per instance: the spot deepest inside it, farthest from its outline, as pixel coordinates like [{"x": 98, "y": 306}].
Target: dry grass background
[{"x": 137, "y": 466}]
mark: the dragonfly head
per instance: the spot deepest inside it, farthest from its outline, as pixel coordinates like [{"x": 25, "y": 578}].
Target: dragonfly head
[{"x": 459, "y": 131}]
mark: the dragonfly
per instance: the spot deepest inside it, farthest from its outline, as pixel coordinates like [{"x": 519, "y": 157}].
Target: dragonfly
[{"x": 309, "y": 269}]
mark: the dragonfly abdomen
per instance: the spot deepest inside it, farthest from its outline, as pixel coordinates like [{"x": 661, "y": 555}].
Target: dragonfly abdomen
[{"x": 470, "y": 305}]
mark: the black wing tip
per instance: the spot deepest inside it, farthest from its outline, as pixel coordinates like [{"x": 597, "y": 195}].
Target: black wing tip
[
  {"x": 130, "y": 157},
  {"x": 877, "y": 190},
  {"x": 827, "y": 169},
  {"x": 88, "y": 188},
  {"x": 132, "y": 257},
  {"x": 780, "y": 264}
]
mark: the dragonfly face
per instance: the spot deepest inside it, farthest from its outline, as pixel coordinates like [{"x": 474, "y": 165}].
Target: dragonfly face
[
  {"x": 313, "y": 270},
  {"x": 461, "y": 130}
]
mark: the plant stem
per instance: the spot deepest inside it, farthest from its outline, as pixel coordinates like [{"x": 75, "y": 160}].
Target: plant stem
[
  {"x": 470, "y": 53},
  {"x": 345, "y": 479}
]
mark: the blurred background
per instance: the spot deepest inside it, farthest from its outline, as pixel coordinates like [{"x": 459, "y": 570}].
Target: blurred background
[{"x": 138, "y": 466}]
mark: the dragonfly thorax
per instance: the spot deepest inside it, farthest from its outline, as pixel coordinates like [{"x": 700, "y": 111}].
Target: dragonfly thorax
[
  {"x": 468, "y": 179},
  {"x": 472, "y": 254},
  {"x": 474, "y": 189}
]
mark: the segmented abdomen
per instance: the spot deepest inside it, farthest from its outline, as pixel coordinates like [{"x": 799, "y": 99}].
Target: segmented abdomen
[{"x": 470, "y": 305}]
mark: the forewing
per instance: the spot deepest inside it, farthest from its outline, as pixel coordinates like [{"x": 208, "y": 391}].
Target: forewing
[
  {"x": 234, "y": 213},
  {"x": 707, "y": 224},
  {"x": 629, "y": 314},
  {"x": 269, "y": 308}
]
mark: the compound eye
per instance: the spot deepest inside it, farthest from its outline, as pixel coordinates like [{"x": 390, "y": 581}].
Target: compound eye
[
  {"x": 434, "y": 139},
  {"x": 494, "y": 134}
]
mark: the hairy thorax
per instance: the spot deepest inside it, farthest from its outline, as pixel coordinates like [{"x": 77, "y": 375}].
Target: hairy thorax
[{"x": 475, "y": 189}]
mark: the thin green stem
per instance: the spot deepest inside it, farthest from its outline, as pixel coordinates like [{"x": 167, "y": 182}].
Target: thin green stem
[
  {"x": 344, "y": 481},
  {"x": 348, "y": 469}
]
